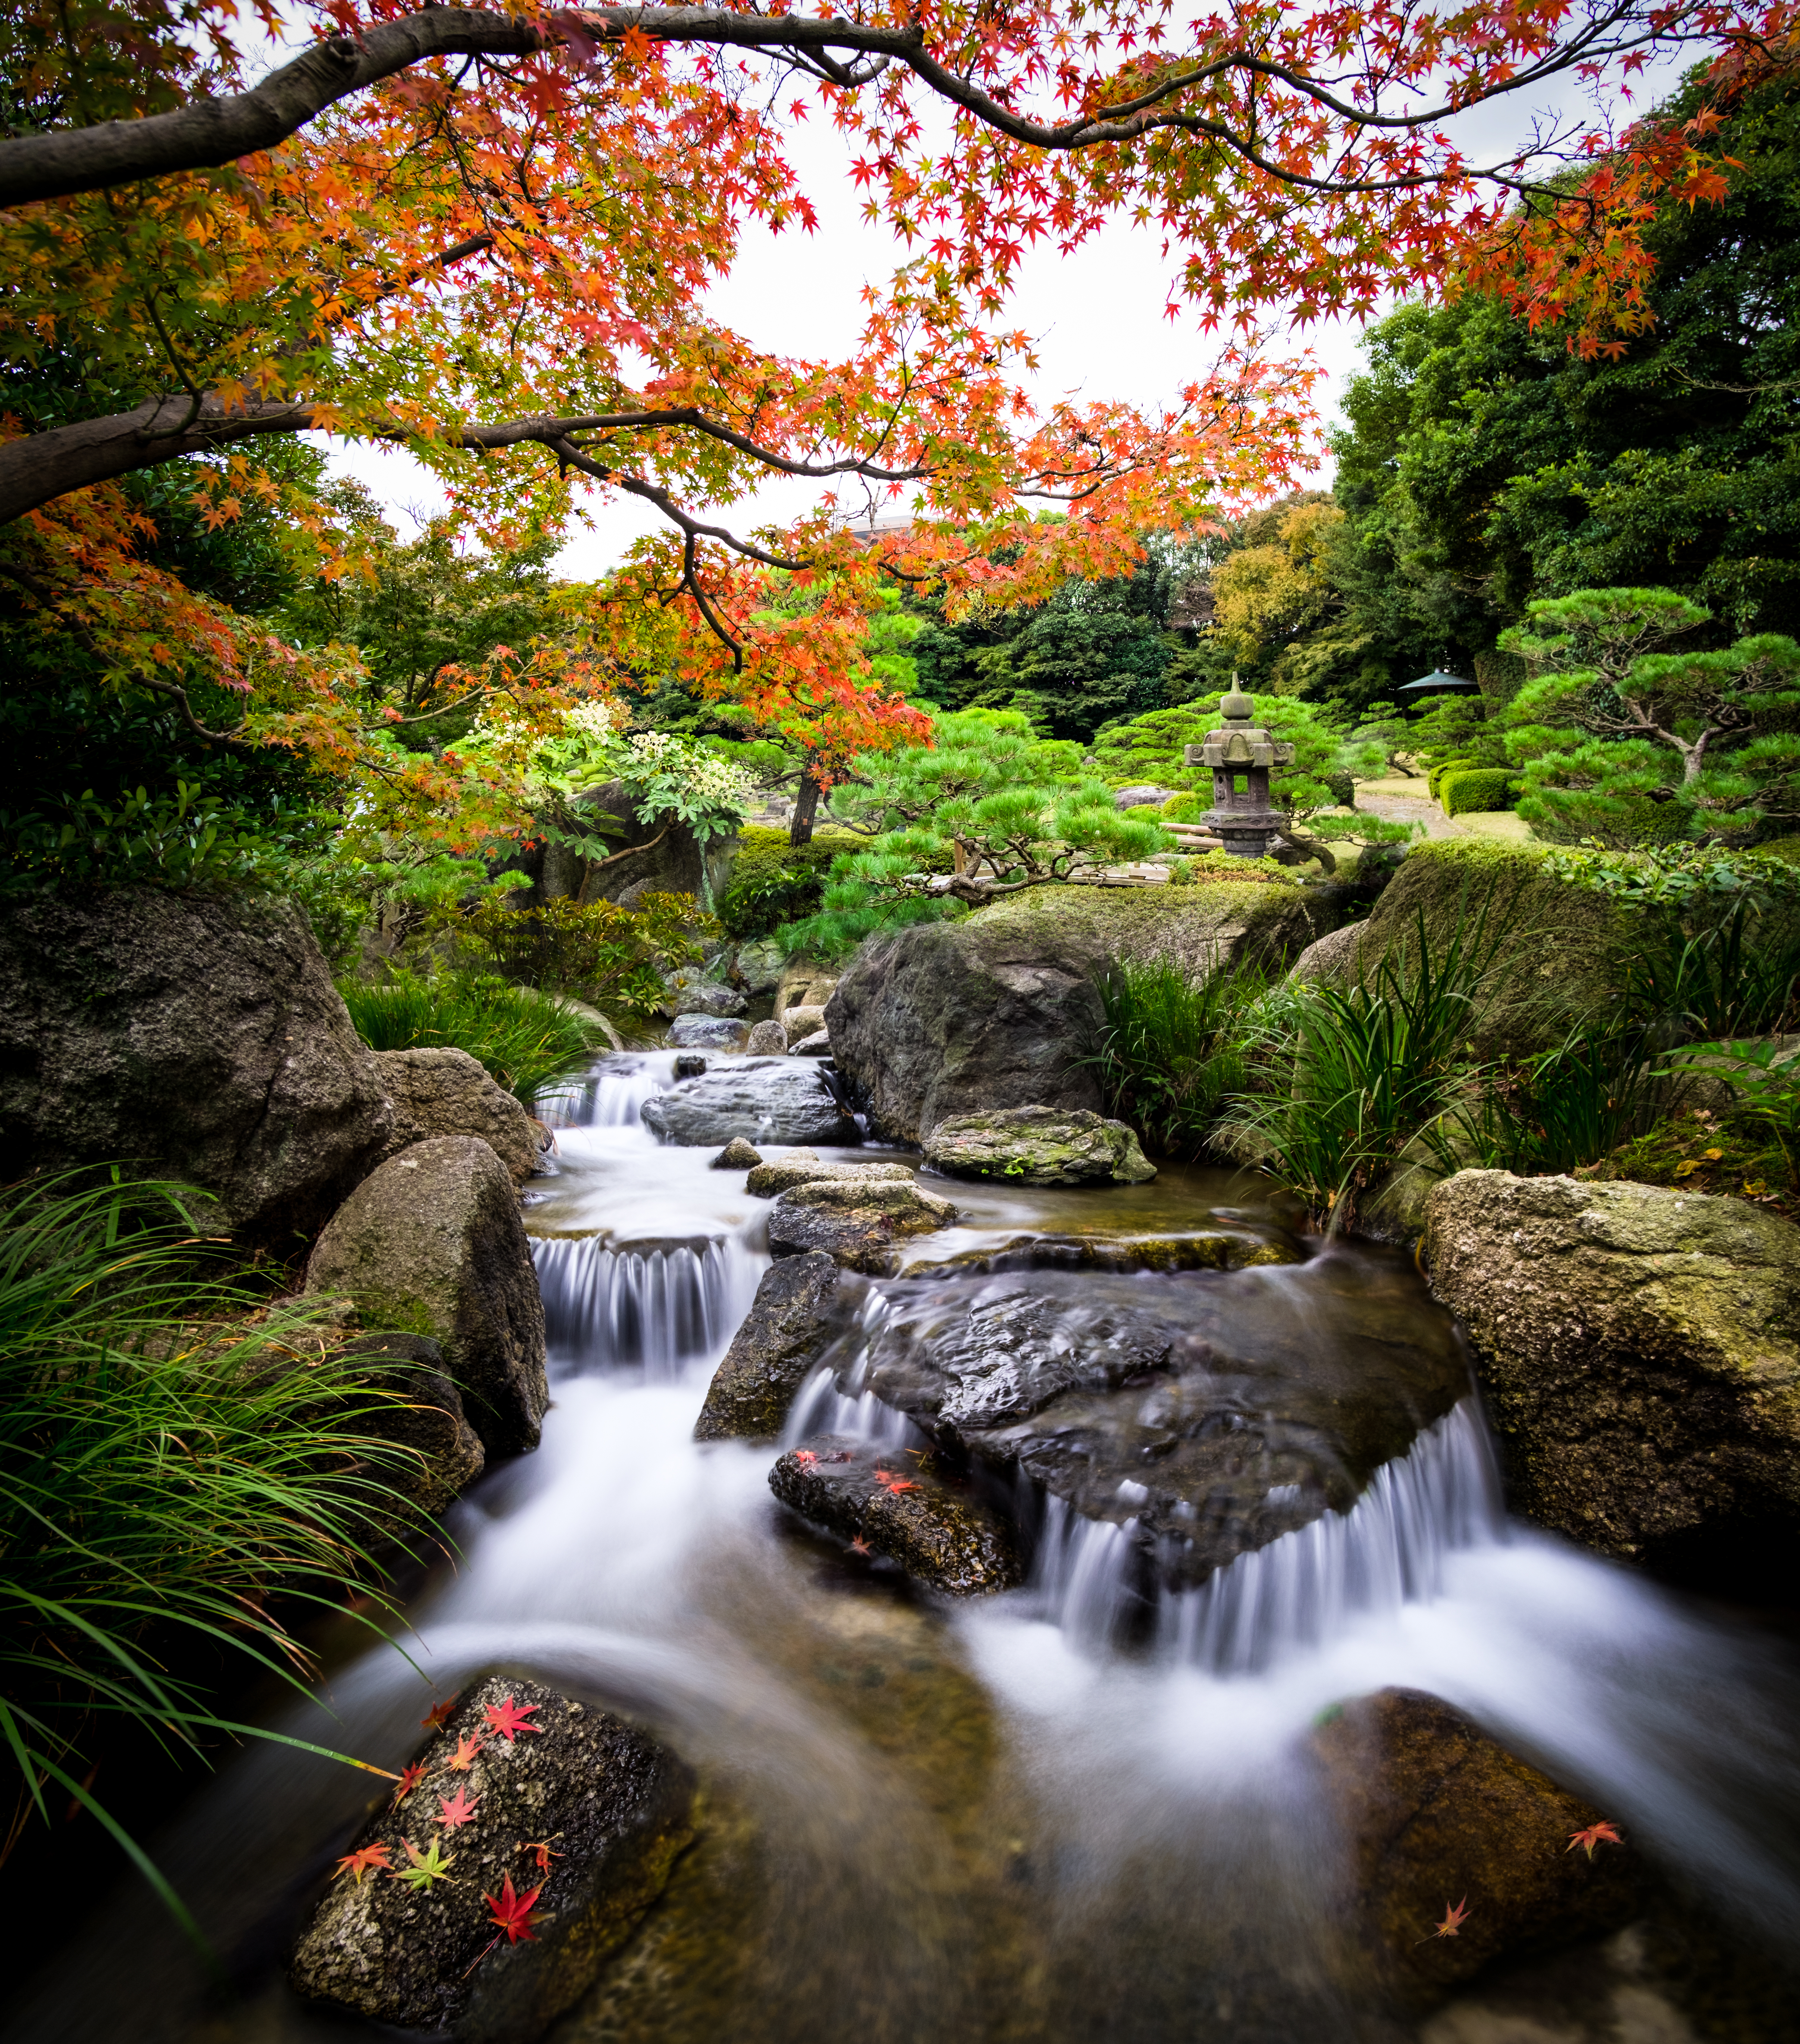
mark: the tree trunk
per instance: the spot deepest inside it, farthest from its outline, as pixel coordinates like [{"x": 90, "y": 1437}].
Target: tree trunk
[{"x": 806, "y": 808}]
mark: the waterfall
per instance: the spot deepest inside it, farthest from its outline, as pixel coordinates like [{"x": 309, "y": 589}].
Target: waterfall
[
  {"x": 611, "y": 1097},
  {"x": 1301, "y": 1591},
  {"x": 658, "y": 1305},
  {"x": 822, "y": 1408}
]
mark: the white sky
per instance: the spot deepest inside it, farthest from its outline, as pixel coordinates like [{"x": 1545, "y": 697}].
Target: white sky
[{"x": 1097, "y": 315}]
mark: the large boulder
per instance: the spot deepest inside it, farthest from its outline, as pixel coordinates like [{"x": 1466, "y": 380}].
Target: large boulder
[
  {"x": 708, "y": 1033},
  {"x": 445, "y": 1454},
  {"x": 432, "y": 1242},
  {"x": 1436, "y": 1815},
  {"x": 196, "y": 1040},
  {"x": 577, "y": 1810},
  {"x": 856, "y": 1220},
  {"x": 1640, "y": 1350},
  {"x": 935, "y": 1527},
  {"x": 771, "y": 1352},
  {"x": 763, "y": 1100},
  {"x": 999, "y": 1009},
  {"x": 1038, "y": 1145},
  {"x": 448, "y": 1093},
  {"x": 1208, "y": 1415}
]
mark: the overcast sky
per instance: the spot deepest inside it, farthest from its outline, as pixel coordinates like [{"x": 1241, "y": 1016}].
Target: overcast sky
[{"x": 1097, "y": 316}]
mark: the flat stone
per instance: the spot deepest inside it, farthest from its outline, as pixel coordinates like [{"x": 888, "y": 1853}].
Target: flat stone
[
  {"x": 935, "y": 1527},
  {"x": 1640, "y": 1350},
  {"x": 431, "y": 1242},
  {"x": 1435, "y": 1813},
  {"x": 772, "y": 1352},
  {"x": 764, "y": 1100},
  {"x": 448, "y": 1093},
  {"x": 782, "y": 1175},
  {"x": 1038, "y": 1145},
  {"x": 610, "y": 1811},
  {"x": 737, "y": 1155},
  {"x": 817, "y": 1045},
  {"x": 856, "y": 1220},
  {"x": 708, "y": 1033}
]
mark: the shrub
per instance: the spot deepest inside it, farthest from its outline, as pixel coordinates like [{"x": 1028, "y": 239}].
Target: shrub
[
  {"x": 613, "y": 957},
  {"x": 1185, "y": 809},
  {"x": 167, "y": 1459},
  {"x": 1434, "y": 779},
  {"x": 1463, "y": 790},
  {"x": 1149, "y": 812},
  {"x": 529, "y": 1043},
  {"x": 772, "y": 881},
  {"x": 1167, "y": 1052}
]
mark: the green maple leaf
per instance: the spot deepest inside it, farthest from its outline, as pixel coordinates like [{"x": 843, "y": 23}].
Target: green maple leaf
[{"x": 428, "y": 1867}]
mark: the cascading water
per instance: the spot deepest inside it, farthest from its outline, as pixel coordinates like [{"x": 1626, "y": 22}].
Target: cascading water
[{"x": 981, "y": 1822}]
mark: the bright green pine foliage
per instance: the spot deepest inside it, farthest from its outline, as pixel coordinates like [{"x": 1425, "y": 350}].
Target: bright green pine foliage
[{"x": 169, "y": 1457}]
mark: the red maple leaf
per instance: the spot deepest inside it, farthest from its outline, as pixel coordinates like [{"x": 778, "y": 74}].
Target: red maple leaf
[
  {"x": 457, "y": 1809},
  {"x": 893, "y": 1484},
  {"x": 513, "y": 1912},
  {"x": 540, "y": 1850},
  {"x": 805, "y": 1458},
  {"x": 467, "y": 1746},
  {"x": 357, "y": 1864},
  {"x": 861, "y": 1547},
  {"x": 1594, "y": 1834},
  {"x": 508, "y": 1718},
  {"x": 1454, "y": 1920},
  {"x": 409, "y": 1779},
  {"x": 437, "y": 1716}
]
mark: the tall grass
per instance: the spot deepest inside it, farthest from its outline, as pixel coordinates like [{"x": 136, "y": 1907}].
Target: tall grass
[
  {"x": 530, "y": 1042},
  {"x": 1569, "y": 1106},
  {"x": 1167, "y": 1053},
  {"x": 1739, "y": 977},
  {"x": 169, "y": 1459}
]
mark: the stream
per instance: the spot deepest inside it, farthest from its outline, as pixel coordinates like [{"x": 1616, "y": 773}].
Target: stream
[{"x": 1061, "y": 1814}]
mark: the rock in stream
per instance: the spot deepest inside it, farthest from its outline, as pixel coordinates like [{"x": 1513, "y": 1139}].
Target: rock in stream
[{"x": 763, "y": 1100}]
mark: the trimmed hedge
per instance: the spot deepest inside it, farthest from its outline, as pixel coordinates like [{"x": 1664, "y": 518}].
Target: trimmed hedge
[
  {"x": 1479, "y": 788},
  {"x": 1435, "y": 777}
]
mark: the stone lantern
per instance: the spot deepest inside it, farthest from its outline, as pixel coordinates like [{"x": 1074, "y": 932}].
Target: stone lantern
[{"x": 1241, "y": 752}]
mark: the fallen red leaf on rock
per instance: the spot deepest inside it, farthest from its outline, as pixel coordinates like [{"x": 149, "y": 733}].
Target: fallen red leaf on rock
[
  {"x": 357, "y": 1863},
  {"x": 457, "y": 1809},
  {"x": 1595, "y": 1834},
  {"x": 508, "y": 1718},
  {"x": 410, "y": 1778},
  {"x": 1454, "y": 1920},
  {"x": 513, "y": 1912},
  {"x": 467, "y": 1746},
  {"x": 437, "y": 1716}
]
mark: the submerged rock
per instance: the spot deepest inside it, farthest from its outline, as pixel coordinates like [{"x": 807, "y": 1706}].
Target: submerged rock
[
  {"x": 935, "y": 1528},
  {"x": 577, "y": 1808},
  {"x": 1038, "y": 1145},
  {"x": 1435, "y": 1813},
  {"x": 432, "y": 1242},
  {"x": 1640, "y": 1348},
  {"x": 1099, "y": 1249},
  {"x": 708, "y": 1033},
  {"x": 196, "y": 1040},
  {"x": 801, "y": 1167},
  {"x": 763, "y": 1100},
  {"x": 1213, "y": 1413},
  {"x": 737, "y": 1155},
  {"x": 817, "y": 1045},
  {"x": 448, "y": 1093},
  {"x": 858, "y": 1219},
  {"x": 771, "y": 1353}
]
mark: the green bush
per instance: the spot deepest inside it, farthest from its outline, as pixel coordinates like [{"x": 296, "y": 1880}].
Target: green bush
[
  {"x": 1149, "y": 812},
  {"x": 1465, "y": 789},
  {"x": 168, "y": 1458},
  {"x": 528, "y": 1042},
  {"x": 772, "y": 881},
  {"x": 1434, "y": 779},
  {"x": 614, "y": 957},
  {"x": 1185, "y": 809}
]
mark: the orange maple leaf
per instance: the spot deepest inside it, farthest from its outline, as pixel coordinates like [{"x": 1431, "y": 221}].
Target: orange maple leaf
[
  {"x": 1595, "y": 1834},
  {"x": 357, "y": 1863},
  {"x": 467, "y": 1746},
  {"x": 437, "y": 1716},
  {"x": 410, "y": 1777},
  {"x": 893, "y": 1485},
  {"x": 1454, "y": 1919},
  {"x": 540, "y": 1850}
]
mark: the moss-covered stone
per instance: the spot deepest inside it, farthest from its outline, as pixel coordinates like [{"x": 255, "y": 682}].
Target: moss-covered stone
[
  {"x": 801, "y": 1167},
  {"x": 1038, "y": 1145},
  {"x": 770, "y": 1353},
  {"x": 1640, "y": 1349},
  {"x": 610, "y": 1811},
  {"x": 857, "y": 1221},
  {"x": 1435, "y": 1813},
  {"x": 1102, "y": 1249},
  {"x": 934, "y": 1527},
  {"x": 998, "y": 1010}
]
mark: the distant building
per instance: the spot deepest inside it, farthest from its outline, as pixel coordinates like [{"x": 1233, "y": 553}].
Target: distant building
[{"x": 885, "y": 524}]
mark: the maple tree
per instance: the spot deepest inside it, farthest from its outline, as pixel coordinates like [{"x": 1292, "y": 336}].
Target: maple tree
[{"x": 488, "y": 236}]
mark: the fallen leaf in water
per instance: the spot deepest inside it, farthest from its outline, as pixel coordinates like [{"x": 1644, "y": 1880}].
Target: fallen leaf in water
[
  {"x": 1595, "y": 1834},
  {"x": 509, "y": 1717},
  {"x": 805, "y": 1458},
  {"x": 1454, "y": 1919},
  {"x": 456, "y": 1810},
  {"x": 428, "y": 1868},
  {"x": 437, "y": 1716},
  {"x": 888, "y": 1482},
  {"x": 467, "y": 1746},
  {"x": 357, "y": 1863},
  {"x": 512, "y": 1912},
  {"x": 861, "y": 1547}
]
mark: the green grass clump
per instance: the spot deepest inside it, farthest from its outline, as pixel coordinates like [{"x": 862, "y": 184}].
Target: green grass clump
[
  {"x": 529, "y": 1043},
  {"x": 170, "y": 1457},
  {"x": 1168, "y": 1055}
]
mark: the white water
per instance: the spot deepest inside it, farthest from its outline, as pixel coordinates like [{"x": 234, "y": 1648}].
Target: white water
[{"x": 628, "y": 1562}]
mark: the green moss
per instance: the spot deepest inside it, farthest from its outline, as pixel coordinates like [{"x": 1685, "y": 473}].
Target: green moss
[{"x": 1705, "y": 1153}]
